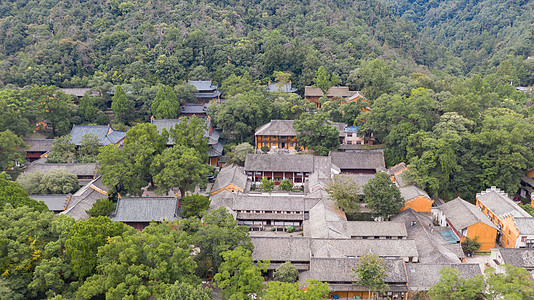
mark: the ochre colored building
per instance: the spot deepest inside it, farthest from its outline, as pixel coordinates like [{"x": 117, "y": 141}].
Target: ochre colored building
[
  {"x": 466, "y": 220},
  {"x": 416, "y": 199},
  {"x": 280, "y": 134},
  {"x": 231, "y": 178},
  {"x": 516, "y": 226},
  {"x": 313, "y": 94}
]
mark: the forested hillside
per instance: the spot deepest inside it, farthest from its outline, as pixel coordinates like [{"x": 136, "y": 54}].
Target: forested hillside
[
  {"x": 63, "y": 42},
  {"x": 480, "y": 33}
]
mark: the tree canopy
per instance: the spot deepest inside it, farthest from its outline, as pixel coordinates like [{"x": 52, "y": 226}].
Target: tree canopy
[{"x": 382, "y": 196}]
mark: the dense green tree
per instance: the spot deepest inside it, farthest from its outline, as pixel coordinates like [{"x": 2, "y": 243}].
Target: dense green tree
[
  {"x": 180, "y": 167},
  {"x": 166, "y": 105},
  {"x": 85, "y": 239},
  {"x": 502, "y": 148},
  {"x": 242, "y": 114},
  {"x": 238, "y": 277},
  {"x": 194, "y": 205},
  {"x": 286, "y": 272},
  {"x": 286, "y": 185},
  {"x": 185, "y": 291},
  {"x": 185, "y": 93},
  {"x": 314, "y": 290},
  {"x": 217, "y": 232},
  {"x": 102, "y": 207},
  {"x": 55, "y": 107},
  {"x": 325, "y": 81},
  {"x": 142, "y": 144},
  {"x": 89, "y": 111},
  {"x": 29, "y": 240},
  {"x": 267, "y": 185},
  {"x": 14, "y": 194},
  {"x": 469, "y": 246},
  {"x": 239, "y": 153},
  {"x": 19, "y": 111},
  {"x": 119, "y": 171},
  {"x": 140, "y": 265},
  {"x": 63, "y": 150},
  {"x": 345, "y": 193},
  {"x": 371, "y": 273},
  {"x": 11, "y": 150},
  {"x": 31, "y": 182},
  {"x": 121, "y": 105},
  {"x": 89, "y": 148},
  {"x": 316, "y": 133},
  {"x": 373, "y": 77},
  {"x": 514, "y": 283},
  {"x": 192, "y": 133},
  {"x": 436, "y": 157},
  {"x": 382, "y": 196},
  {"x": 451, "y": 285},
  {"x": 128, "y": 169},
  {"x": 394, "y": 118},
  {"x": 59, "y": 182},
  {"x": 235, "y": 85}
]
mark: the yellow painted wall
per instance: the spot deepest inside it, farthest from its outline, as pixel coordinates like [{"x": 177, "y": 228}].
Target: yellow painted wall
[
  {"x": 271, "y": 141},
  {"x": 231, "y": 188},
  {"x": 349, "y": 295},
  {"x": 509, "y": 233},
  {"x": 486, "y": 235},
  {"x": 419, "y": 204}
]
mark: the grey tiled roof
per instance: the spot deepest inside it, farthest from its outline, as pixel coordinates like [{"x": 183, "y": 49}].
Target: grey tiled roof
[
  {"x": 74, "y": 168},
  {"x": 357, "y": 94},
  {"x": 462, "y": 214},
  {"x": 422, "y": 277},
  {"x": 411, "y": 191},
  {"x": 39, "y": 145},
  {"x": 430, "y": 245},
  {"x": 525, "y": 225},
  {"x": 500, "y": 204},
  {"x": 202, "y": 85},
  {"x": 286, "y": 88},
  {"x": 102, "y": 133},
  {"x": 521, "y": 257},
  {"x": 285, "y": 128},
  {"x": 54, "y": 202},
  {"x": 277, "y": 128},
  {"x": 146, "y": 209},
  {"x": 214, "y": 94},
  {"x": 230, "y": 175},
  {"x": 222, "y": 199},
  {"x": 216, "y": 144},
  {"x": 270, "y": 216},
  {"x": 358, "y": 179},
  {"x": 397, "y": 168},
  {"x": 279, "y": 163},
  {"x": 335, "y": 91},
  {"x": 272, "y": 203},
  {"x": 78, "y": 92},
  {"x": 342, "y": 248},
  {"x": 373, "y": 160},
  {"x": 340, "y": 127},
  {"x": 190, "y": 108},
  {"x": 84, "y": 198},
  {"x": 281, "y": 248},
  {"x": 341, "y": 270},
  {"x": 216, "y": 149},
  {"x": 320, "y": 216},
  {"x": 168, "y": 124},
  {"x": 369, "y": 228}
]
